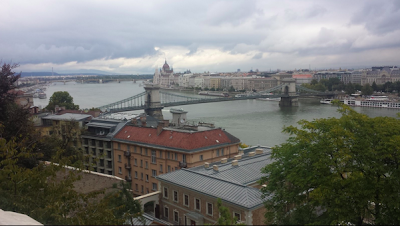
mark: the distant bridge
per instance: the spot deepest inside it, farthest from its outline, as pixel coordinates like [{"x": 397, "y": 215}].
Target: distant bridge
[{"x": 168, "y": 99}]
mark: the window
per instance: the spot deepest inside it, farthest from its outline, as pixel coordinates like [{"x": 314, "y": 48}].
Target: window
[
  {"x": 134, "y": 149},
  {"x": 217, "y": 153},
  {"x": 119, "y": 158},
  {"x": 109, "y": 154},
  {"x": 176, "y": 156},
  {"x": 128, "y": 148},
  {"x": 119, "y": 170},
  {"x": 135, "y": 162},
  {"x": 136, "y": 174},
  {"x": 136, "y": 187},
  {"x": 145, "y": 151},
  {"x": 175, "y": 196},
  {"x": 197, "y": 204},
  {"x": 169, "y": 169},
  {"x": 109, "y": 164},
  {"x": 102, "y": 162},
  {"x": 141, "y": 150},
  {"x": 147, "y": 165},
  {"x": 141, "y": 176},
  {"x": 168, "y": 156},
  {"x": 222, "y": 151},
  {"x": 210, "y": 209},
  {"x": 183, "y": 158},
  {"x": 166, "y": 212},
  {"x": 147, "y": 177},
  {"x": 161, "y": 168},
  {"x": 201, "y": 157},
  {"x": 141, "y": 163},
  {"x": 147, "y": 191},
  {"x": 109, "y": 172},
  {"x": 153, "y": 157},
  {"x": 165, "y": 192},
  {"x": 94, "y": 151},
  {"x": 160, "y": 154},
  {"x": 87, "y": 150},
  {"x": 186, "y": 200},
  {"x": 142, "y": 189},
  {"x": 237, "y": 216},
  {"x": 154, "y": 173},
  {"x": 176, "y": 216},
  {"x": 154, "y": 187},
  {"x": 119, "y": 146},
  {"x": 101, "y": 170}
]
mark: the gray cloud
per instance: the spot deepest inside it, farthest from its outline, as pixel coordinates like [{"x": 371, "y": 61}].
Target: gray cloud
[{"x": 46, "y": 31}]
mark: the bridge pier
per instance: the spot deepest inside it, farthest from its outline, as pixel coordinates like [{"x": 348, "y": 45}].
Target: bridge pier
[
  {"x": 290, "y": 98},
  {"x": 289, "y": 101},
  {"x": 153, "y": 104}
]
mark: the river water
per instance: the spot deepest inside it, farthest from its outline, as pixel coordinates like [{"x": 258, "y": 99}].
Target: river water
[{"x": 252, "y": 121}]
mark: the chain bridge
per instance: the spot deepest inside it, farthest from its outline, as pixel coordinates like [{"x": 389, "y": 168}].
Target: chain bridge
[{"x": 288, "y": 92}]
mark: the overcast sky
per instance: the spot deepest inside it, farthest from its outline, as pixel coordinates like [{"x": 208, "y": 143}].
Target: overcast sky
[{"x": 136, "y": 36}]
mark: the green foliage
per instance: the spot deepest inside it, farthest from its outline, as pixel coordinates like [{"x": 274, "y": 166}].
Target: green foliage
[
  {"x": 225, "y": 217},
  {"x": 38, "y": 193},
  {"x": 367, "y": 90},
  {"x": 212, "y": 89},
  {"x": 62, "y": 99},
  {"x": 336, "y": 171},
  {"x": 231, "y": 89}
]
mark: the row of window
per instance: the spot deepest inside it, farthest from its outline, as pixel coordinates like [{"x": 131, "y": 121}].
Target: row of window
[
  {"x": 99, "y": 144},
  {"x": 154, "y": 188},
  {"x": 144, "y": 151},
  {"x": 100, "y": 152},
  {"x": 209, "y": 208}
]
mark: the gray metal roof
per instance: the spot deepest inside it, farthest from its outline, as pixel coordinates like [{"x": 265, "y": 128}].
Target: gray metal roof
[
  {"x": 230, "y": 183},
  {"x": 67, "y": 117}
]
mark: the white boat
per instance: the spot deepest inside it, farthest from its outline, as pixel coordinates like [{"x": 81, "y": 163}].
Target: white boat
[
  {"x": 241, "y": 95},
  {"x": 36, "y": 95},
  {"x": 270, "y": 99},
  {"x": 326, "y": 101},
  {"x": 42, "y": 96},
  {"x": 372, "y": 103}
]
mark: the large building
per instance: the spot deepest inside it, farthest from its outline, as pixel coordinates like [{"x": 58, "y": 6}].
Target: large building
[
  {"x": 380, "y": 75},
  {"x": 165, "y": 76},
  {"x": 143, "y": 150},
  {"x": 97, "y": 145},
  {"x": 189, "y": 196}
]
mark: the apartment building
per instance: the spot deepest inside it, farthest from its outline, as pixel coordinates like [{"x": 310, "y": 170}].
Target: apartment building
[
  {"x": 189, "y": 196},
  {"x": 260, "y": 84},
  {"x": 97, "y": 144},
  {"x": 142, "y": 152},
  {"x": 343, "y": 76}
]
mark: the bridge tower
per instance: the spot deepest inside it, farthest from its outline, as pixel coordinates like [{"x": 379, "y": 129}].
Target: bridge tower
[
  {"x": 289, "y": 97},
  {"x": 153, "y": 104}
]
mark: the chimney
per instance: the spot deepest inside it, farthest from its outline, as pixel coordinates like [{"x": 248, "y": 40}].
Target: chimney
[
  {"x": 259, "y": 151},
  {"x": 238, "y": 157},
  {"x": 224, "y": 160},
  {"x": 160, "y": 127},
  {"x": 206, "y": 165},
  {"x": 215, "y": 168},
  {"x": 235, "y": 163},
  {"x": 252, "y": 153}
]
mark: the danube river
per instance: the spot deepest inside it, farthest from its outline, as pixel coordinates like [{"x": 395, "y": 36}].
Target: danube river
[{"x": 252, "y": 121}]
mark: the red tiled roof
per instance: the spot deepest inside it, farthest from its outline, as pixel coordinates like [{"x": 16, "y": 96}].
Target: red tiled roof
[{"x": 175, "y": 139}]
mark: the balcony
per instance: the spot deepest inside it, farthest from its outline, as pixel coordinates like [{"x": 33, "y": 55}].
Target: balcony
[
  {"x": 182, "y": 164},
  {"x": 128, "y": 178},
  {"x": 127, "y": 166},
  {"x": 127, "y": 153}
]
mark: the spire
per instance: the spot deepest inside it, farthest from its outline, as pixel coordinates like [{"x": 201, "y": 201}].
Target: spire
[{"x": 165, "y": 60}]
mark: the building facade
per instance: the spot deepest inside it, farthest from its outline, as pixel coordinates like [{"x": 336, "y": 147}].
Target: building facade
[
  {"x": 141, "y": 153},
  {"x": 189, "y": 196}
]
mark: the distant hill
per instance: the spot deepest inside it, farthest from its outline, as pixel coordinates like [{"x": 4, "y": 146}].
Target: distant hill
[{"x": 79, "y": 72}]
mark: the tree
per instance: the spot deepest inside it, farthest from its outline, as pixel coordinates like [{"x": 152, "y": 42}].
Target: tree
[
  {"x": 62, "y": 99},
  {"x": 336, "y": 171},
  {"x": 231, "y": 89},
  {"x": 225, "y": 217},
  {"x": 350, "y": 89},
  {"x": 367, "y": 90},
  {"x": 36, "y": 192},
  {"x": 374, "y": 86}
]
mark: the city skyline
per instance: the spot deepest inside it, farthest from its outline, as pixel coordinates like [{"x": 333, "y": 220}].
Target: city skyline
[{"x": 127, "y": 37}]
